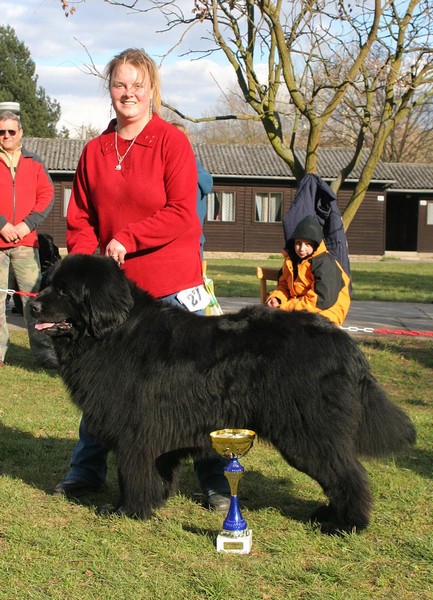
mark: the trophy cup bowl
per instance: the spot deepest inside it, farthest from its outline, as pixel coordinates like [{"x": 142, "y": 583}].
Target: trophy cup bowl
[{"x": 233, "y": 443}]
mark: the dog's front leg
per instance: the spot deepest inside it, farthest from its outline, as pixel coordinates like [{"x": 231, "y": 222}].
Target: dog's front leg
[{"x": 142, "y": 489}]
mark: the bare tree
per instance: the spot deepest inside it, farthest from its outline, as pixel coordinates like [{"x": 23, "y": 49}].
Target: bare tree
[
  {"x": 412, "y": 139},
  {"x": 250, "y": 131},
  {"x": 370, "y": 58}
]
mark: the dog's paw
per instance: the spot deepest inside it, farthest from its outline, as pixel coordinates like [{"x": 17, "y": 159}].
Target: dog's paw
[
  {"x": 109, "y": 509},
  {"x": 322, "y": 514},
  {"x": 122, "y": 511},
  {"x": 329, "y": 522}
]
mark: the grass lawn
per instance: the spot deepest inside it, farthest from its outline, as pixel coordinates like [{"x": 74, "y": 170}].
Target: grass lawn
[{"x": 53, "y": 548}]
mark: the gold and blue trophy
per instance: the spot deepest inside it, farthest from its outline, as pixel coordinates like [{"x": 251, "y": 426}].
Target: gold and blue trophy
[{"x": 235, "y": 537}]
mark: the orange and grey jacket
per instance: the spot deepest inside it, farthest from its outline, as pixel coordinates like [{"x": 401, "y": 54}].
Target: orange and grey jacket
[{"x": 316, "y": 284}]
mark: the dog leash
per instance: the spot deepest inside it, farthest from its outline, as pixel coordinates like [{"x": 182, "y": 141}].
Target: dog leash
[{"x": 10, "y": 291}]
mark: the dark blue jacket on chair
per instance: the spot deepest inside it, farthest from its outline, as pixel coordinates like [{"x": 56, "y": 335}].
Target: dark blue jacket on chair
[{"x": 315, "y": 197}]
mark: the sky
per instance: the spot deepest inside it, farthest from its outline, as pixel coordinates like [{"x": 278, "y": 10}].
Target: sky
[{"x": 61, "y": 48}]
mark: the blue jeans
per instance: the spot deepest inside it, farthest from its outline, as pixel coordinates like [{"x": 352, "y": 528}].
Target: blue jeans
[{"x": 89, "y": 459}]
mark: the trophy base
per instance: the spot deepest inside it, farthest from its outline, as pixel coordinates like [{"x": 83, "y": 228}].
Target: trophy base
[{"x": 235, "y": 544}]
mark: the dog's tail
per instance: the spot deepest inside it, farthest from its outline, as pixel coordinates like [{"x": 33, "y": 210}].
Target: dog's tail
[{"x": 385, "y": 428}]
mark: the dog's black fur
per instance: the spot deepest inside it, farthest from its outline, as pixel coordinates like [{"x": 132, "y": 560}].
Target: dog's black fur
[{"x": 153, "y": 381}]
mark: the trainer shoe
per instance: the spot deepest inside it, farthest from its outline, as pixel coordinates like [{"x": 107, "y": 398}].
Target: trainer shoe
[
  {"x": 75, "y": 488},
  {"x": 50, "y": 363},
  {"x": 2, "y": 363},
  {"x": 219, "y": 502}
]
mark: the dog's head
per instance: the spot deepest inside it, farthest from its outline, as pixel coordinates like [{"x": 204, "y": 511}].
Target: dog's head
[{"x": 85, "y": 294}]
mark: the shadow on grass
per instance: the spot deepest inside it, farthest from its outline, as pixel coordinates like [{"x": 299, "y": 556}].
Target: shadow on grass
[
  {"x": 418, "y": 460},
  {"x": 36, "y": 461},
  {"x": 418, "y": 350},
  {"x": 42, "y": 462},
  {"x": 258, "y": 492},
  {"x": 20, "y": 356}
]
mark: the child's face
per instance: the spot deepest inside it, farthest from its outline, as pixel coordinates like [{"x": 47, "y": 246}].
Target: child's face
[{"x": 304, "y": 248}]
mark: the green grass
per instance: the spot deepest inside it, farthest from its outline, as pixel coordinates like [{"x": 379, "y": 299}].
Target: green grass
[
  {"x": 53, "y": 548},
  {"x": 398, "y": 281}
]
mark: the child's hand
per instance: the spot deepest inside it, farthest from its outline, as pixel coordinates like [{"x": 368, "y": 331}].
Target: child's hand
[{"x": 273, "y": 302}]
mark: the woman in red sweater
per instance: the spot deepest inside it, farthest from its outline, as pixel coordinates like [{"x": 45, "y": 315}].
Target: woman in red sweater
[{"x": 134, "y": 198}]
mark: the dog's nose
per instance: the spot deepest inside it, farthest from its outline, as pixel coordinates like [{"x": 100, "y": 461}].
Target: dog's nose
[{"x": 35, "y": 308}]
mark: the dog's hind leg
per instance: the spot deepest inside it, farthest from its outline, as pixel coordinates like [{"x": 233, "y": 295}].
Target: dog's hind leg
[{"x": 346, "y": 484}]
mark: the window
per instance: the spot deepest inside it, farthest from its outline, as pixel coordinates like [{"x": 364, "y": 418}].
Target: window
[
  {"x": 269, "y": 207},
  {"x": 221, "y": 206},
  {"x": 430, "y": 213},
  {"x": 67, "y": 191}
]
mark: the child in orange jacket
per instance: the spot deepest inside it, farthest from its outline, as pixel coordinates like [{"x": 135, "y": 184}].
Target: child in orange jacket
[{"x": 311, "y": 278}]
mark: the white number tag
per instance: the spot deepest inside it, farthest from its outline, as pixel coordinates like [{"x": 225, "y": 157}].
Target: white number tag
[{"x": 195, "y": 298}]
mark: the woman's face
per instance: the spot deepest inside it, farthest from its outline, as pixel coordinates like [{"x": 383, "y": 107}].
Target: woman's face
[{"x": 130, "y": 92}]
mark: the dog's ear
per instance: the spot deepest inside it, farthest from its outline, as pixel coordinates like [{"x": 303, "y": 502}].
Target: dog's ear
[
  {"x": 107, "y": 311},
  {"x": 107, "y": 302}
]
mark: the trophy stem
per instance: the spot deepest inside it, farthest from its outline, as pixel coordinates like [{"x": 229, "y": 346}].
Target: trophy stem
[
  {"x": 234, "y": 472},
  {"x": 234, "y": 521}
]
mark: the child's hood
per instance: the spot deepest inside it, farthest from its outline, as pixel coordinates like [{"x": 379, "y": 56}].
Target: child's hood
[{"x": 307, "y": 229}]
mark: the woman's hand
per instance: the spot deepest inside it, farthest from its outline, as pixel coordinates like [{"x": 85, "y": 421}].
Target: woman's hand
[{"x": 116, "y": 251}]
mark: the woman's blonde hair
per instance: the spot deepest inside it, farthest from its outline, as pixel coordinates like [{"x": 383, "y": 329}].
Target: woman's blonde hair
[{"x": 143, "y": 63}]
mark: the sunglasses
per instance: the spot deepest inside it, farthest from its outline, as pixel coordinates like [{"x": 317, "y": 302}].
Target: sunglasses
[{"x": 11, "y": 132}]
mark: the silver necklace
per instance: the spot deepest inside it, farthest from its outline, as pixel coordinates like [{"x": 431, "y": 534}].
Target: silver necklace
[{"x": 118, "y": 167}]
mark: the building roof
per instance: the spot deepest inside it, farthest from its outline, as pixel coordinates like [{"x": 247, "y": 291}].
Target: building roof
[
  {"x": 58, "y": 154},
  {"x": 239, "y": 160},
  {"x": 410, "y": 177},
  {"x": 252, "y": 161}
]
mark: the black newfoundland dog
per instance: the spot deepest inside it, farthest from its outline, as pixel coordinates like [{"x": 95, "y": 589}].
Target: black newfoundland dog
[{"x": 153, "y": 381}]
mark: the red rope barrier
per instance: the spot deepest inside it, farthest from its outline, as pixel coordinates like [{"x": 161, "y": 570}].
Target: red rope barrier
[
  {"x": 404, "y": 332},
  {"x": 354, "y": 329}
]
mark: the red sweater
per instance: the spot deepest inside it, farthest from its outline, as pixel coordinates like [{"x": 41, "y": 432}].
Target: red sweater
[
  {"x": 28, "y": 197},
  {"x": 149, "y": 206}
]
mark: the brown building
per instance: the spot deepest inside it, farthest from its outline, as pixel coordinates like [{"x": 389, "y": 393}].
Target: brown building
[{"x": 253, "y": 188}]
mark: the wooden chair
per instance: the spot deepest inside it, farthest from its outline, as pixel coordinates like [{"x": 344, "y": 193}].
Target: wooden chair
[{"x": 265, "y": 274}]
